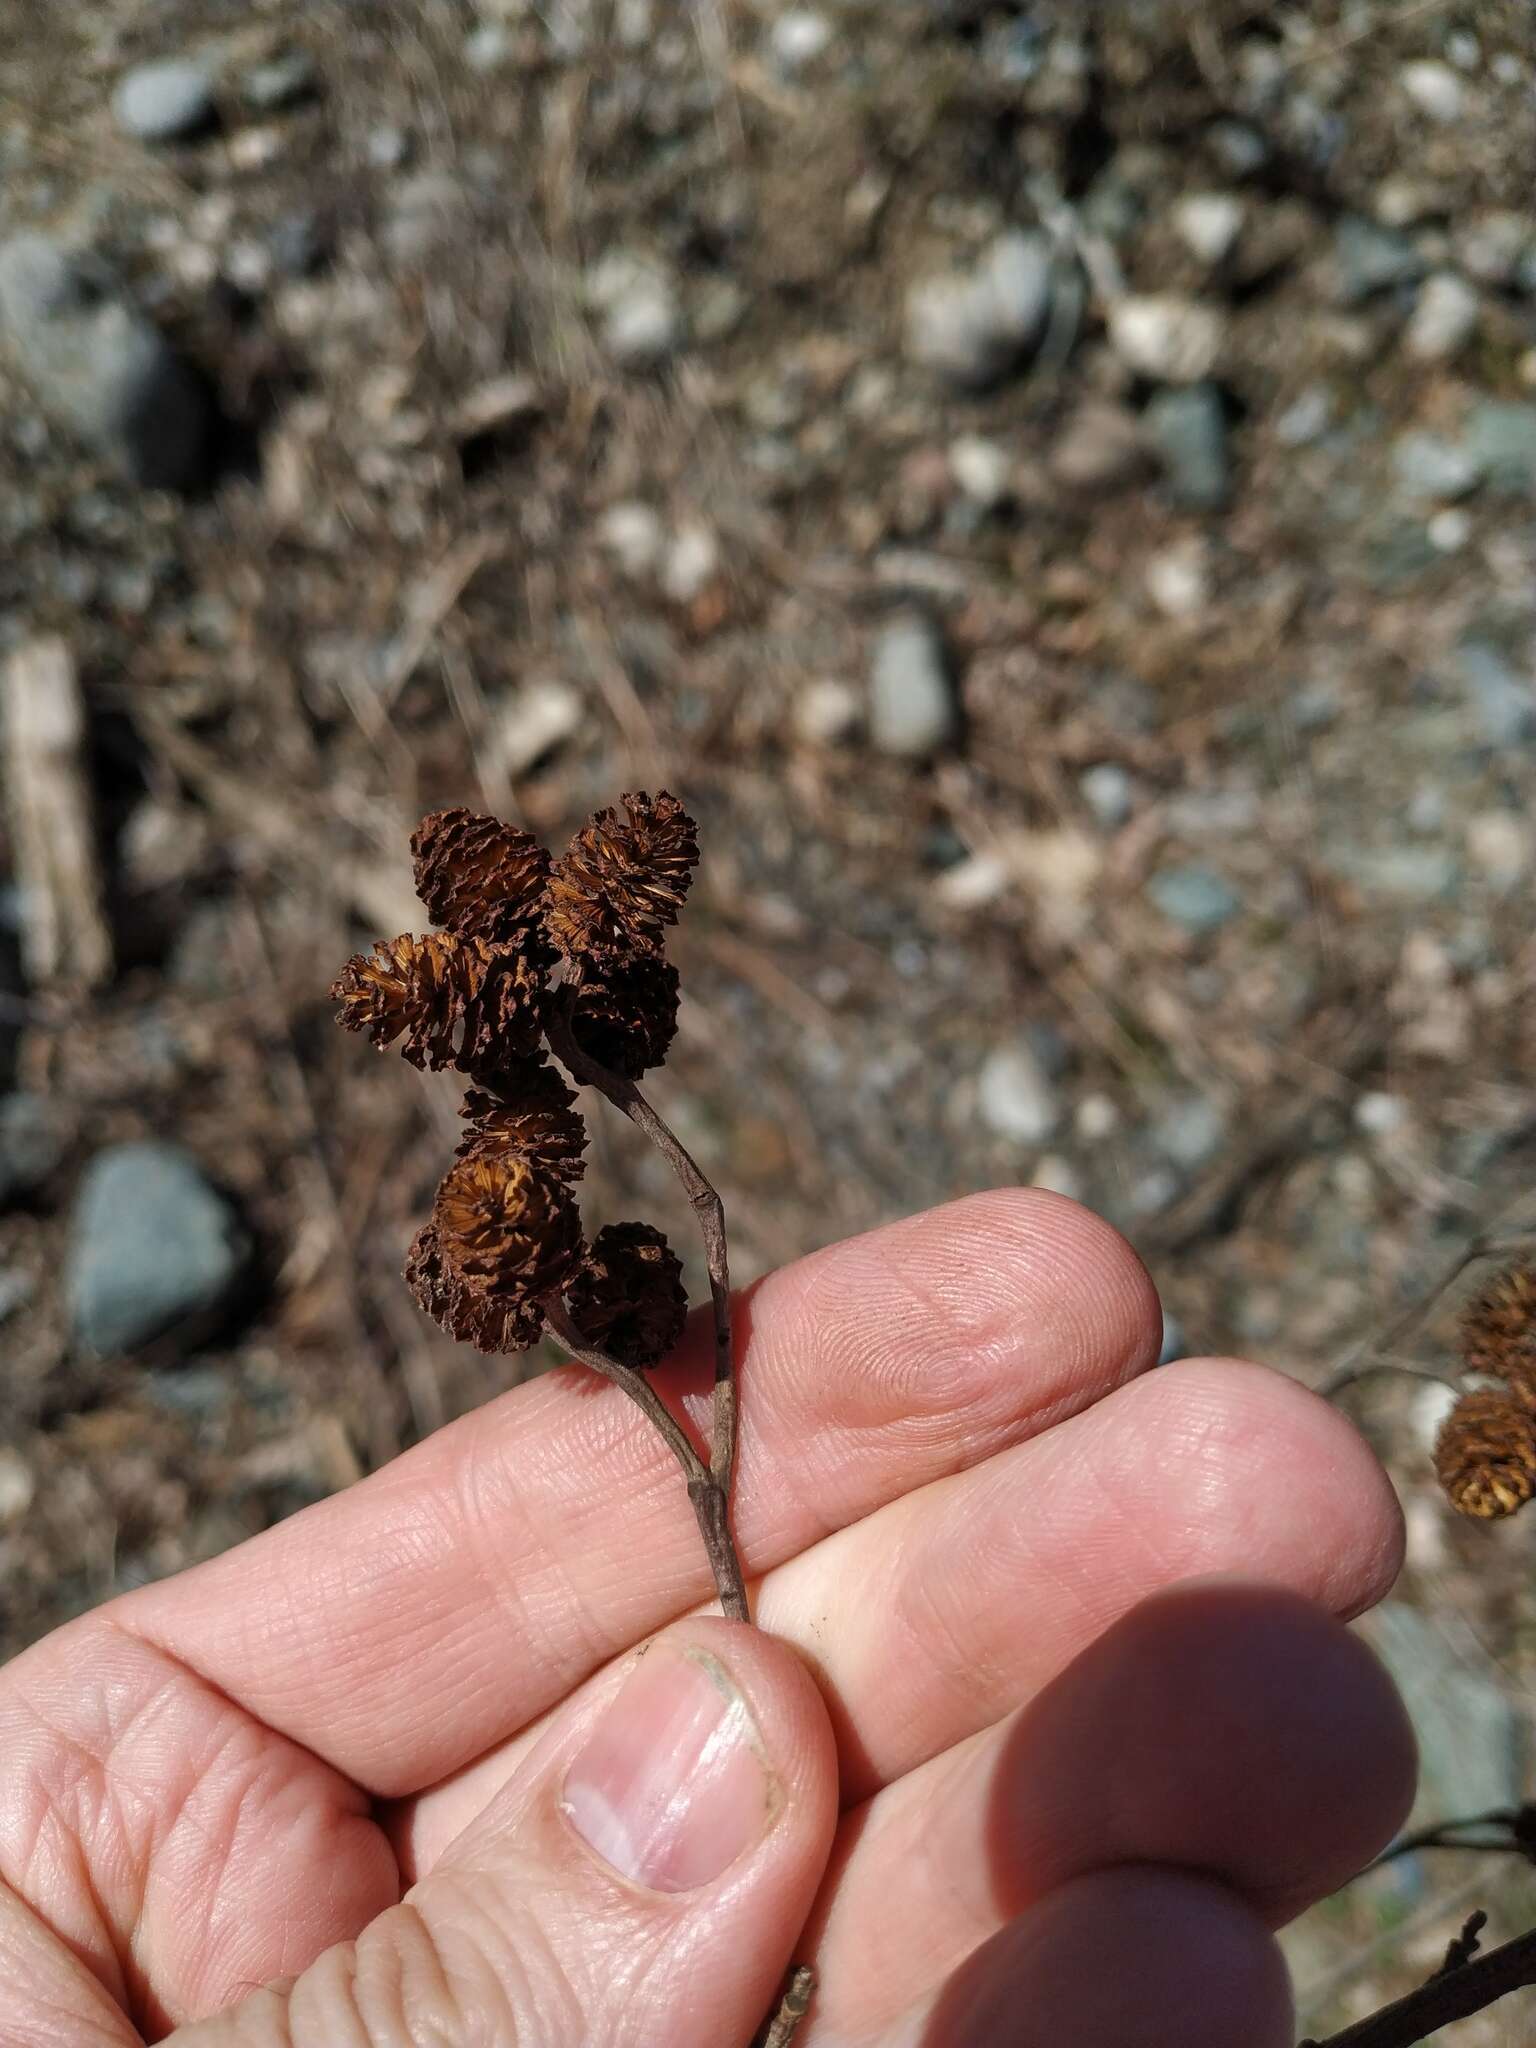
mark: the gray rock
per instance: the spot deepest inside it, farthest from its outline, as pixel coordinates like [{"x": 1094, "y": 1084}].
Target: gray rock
[
  {"x": 426, "y": 212},
  {"x": 1502, "y": 697},
  {"x": 299, "y": 244},
  {"x": 972, "y": 327},
  {"x": 1175, "y": 1344},
  {"x": 1373, "y": 259},
  {"x": 489, "y": 47},
  {"x": 99, "y": 366},
  {"x": 1191, "y": 1132},
  {"x": 642, "y": 321},
  {"x": 1472, "y": 1749},
  {"x": 283, "y": 81},
  {"x": 152, "y": 1248},
  {"x": 1306, "y": 419},
  {"x": 164, "y": 102},
  {"x": 912, "y": 709},
  {"x": 1400, "y": 874},
  {"x": 388, "y": 147},
  {"x": 1238, "y": 148},
  {"x": 33, "y": 1135},
  {"x": 1444, "y": 319},
  {"x": 1194, "y": 897},
  {"x": 1108, "y": 792},
  {"x": 1430, "y": 467},
  {"x": 1015, "y": 1096},
  {"x": 1188, "y": 431},
  {"x": 1501, "y": 435}
]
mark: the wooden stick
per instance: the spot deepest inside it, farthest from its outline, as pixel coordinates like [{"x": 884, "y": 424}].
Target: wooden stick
[{"x": 65, "y": 937}]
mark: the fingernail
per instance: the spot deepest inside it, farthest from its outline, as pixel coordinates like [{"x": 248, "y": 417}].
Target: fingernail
[{"x": 672, "y": 1785}]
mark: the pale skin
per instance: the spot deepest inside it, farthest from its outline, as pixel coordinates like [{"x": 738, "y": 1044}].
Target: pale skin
[{"x": 1055, "y": 1721}]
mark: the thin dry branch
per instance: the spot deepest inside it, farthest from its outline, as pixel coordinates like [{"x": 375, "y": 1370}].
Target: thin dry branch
[
  {"x": 1450, "y": 1995},
  {"x": 65, "y": 936}
]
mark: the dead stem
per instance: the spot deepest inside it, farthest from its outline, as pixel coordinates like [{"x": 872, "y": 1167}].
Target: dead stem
[
  {"x": 706, "y": 1205},
  {"x": 1450, "y": 1995},
  {"x": 710, "y": 1505}
]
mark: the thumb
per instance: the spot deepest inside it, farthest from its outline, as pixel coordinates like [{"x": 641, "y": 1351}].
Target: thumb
[{"x": 639, "y": 1882}]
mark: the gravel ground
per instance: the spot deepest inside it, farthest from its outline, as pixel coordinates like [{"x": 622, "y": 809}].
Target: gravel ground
[{"x": 1054, "y": 490}]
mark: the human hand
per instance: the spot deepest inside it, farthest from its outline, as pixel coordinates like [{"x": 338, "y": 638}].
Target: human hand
[{"x": 1052, "y": 1780}]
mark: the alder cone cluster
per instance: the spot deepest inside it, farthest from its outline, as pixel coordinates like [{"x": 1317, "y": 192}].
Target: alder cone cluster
[
  {"x": 1498, "y": 1327},
  {"x": 1485, "y": 1454},
  {"x": 522, "y": 933}
]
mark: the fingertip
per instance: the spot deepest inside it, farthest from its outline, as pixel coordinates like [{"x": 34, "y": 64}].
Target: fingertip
[
  {"x": 1244, "y": 1422},
  {"x": 1137, "y": 1957}
]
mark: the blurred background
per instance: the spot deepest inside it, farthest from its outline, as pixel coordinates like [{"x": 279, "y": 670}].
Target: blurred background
[{"x": 1053, "y": 488}]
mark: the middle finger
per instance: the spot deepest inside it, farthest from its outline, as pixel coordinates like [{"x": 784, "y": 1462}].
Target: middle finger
[{"x": 939, "y": 1614}]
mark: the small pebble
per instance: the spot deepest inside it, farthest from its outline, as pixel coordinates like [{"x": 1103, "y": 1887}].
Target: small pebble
[
  {"x": 1188, "y": 432},
  {"x": 1434, "y": 89},
  {"x": 1499, "y": 844},
  {"x": 1107, "y": 791},
  {"x": 1096, "y": 1117},
  {"x": 912, "y": 708},
  {"x": 284, "y": 81},
  {"x": 33, "y": 1136},
  {"x": 1492, "y": 247},
  {"x": 642, "y": 321},
  {"x": 1175, "y": 1344},
  {"x": 99, "y": 366},
  {"x": 692, "y": 562},
  {"x": 164, "y": 102},
  {"x": 1372, "y": 259},
  {"x": 489, "y": 47},
  {"x": 1306, "y": 419},
  {"x": 1238, "y": 148},
  {"x": 1428, "y": 466},
  {"x": 1160, "y": 335},
  {"x": 982, "y": 469},
  {"x": 1191, "y": 1132},
  {"x": 1450, "y": 530},
  {"x": 1194, "y": 897},
  {"x": 428, "y": 213},
  {"x": 1501, "y": 435},
  {"x": 152, "y": 1246},
  {"x": 1015, "y": 1097},
  {"x": 1178, "y": 579},
  {"x": 972, "y": 327},
  {"x": 388, "y": 147},
  {"x": 1378, "y": 1114},
  {"x": 1058, "y": 1176},
  {"x": 798, "y": 37},
  {"x": 634, "y": 534},
  {"x": 541, "y": 716},
  {"x": 1444, "y": 318},
  {"x": 1209, "y": 223},
  {"x": 1100, "y": 448},
  {"x": 827, "y": 711}
]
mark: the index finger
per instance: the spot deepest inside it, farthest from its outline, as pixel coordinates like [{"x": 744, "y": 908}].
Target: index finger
[{"x": 402, "y": 1628}]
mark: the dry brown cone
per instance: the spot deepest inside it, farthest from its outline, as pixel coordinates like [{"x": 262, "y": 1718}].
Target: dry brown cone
[
  {"x": 628, "y": 1298},
  {"x": 491, "y": 1322},
  {"x": 419, "y": 987},
  {"x": 506, "y": 1228},
  {"x": 481, "y": 878},
  {"x": 1498, "y": 1327},
  {"x": 1485, "y": 1454},
  {"x": 505, "y": 1021},
  {"x": 623, "y": 879},
  {"x": 625, "y": 1014},
  {"x": 527, "y": 1108}
]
